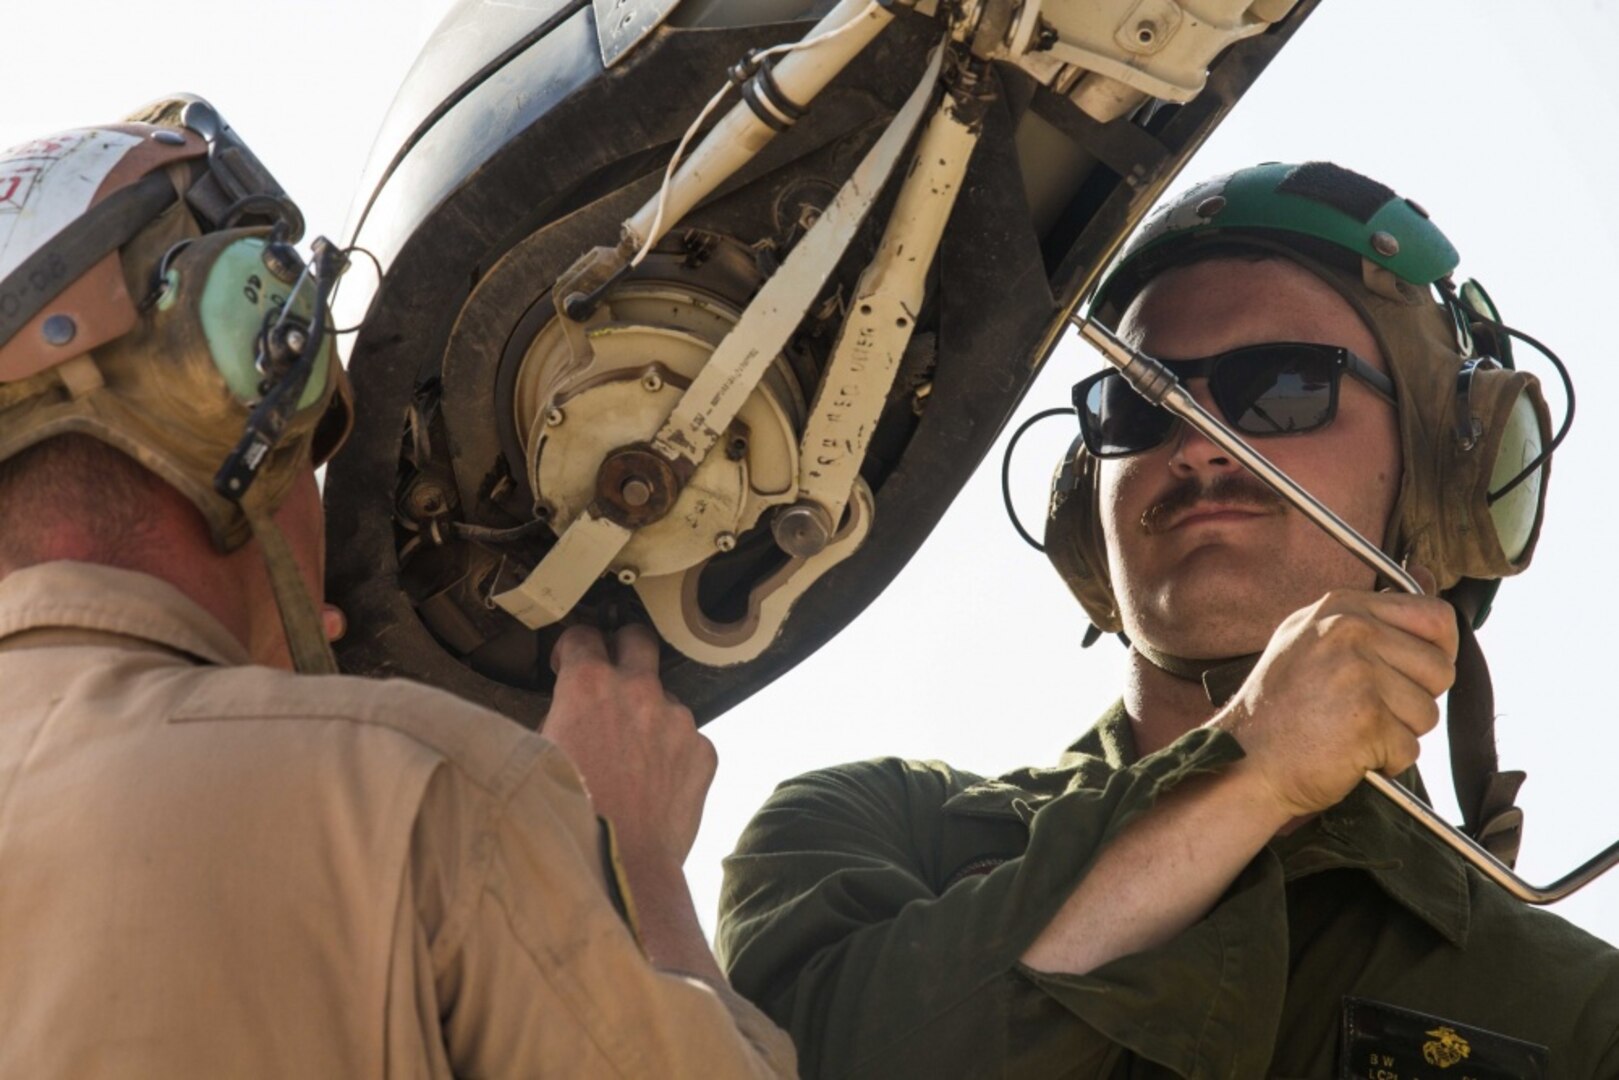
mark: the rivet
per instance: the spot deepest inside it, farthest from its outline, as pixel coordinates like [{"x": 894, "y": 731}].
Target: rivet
[
  {"x": 1385, "y": 244},
  {"x": 725, "y": 541},
  {"x": 636, "y": 492},
  {"x": 652, "y": 382},
  {"x": 58, "y": 330},
  {"x": 1145, "y": 32},
  {"x": 628, "y": 575},
  {"x": 553, "y": 417},
  {"x": 1210, "y": 206},
  {"x": 296, "y": 340},
  {"x": 169, "y": 137}
]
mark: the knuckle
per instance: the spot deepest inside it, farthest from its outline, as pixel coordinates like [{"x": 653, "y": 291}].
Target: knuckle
[
  {"x": 1345, "y": 628},
  {"x": 1321, "y": 609},
  {"x": 1340, "y": 601},
  {"x": 588, "y": 676}
]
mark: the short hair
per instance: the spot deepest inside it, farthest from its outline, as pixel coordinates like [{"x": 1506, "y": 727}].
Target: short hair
[{"x": 75, "y": 482}]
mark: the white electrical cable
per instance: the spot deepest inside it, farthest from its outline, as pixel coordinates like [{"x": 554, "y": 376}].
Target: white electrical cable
[
  {"x": 655, "y": 231},
  {"x": 668, "y": 174}
]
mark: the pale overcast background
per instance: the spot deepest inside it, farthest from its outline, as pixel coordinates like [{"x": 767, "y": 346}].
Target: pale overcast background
[{"x": 1493, "y": 115}]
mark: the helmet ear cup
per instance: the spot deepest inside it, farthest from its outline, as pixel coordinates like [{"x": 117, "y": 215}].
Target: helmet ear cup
[
  {"x": 1514, "y": 511},
  {"x": 1458, "y": 517},
  {"x": 1524, "y": 424},
  {"x": 1073, "y": 537}
]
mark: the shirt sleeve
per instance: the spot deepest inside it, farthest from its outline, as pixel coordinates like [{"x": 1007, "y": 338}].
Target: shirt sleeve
[
  {"x": 832, "y": 920},
  {"x": 535, "y": 971}
]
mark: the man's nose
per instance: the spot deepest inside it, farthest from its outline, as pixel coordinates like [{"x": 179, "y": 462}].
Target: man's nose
[{"x": 1191, "y": 452}]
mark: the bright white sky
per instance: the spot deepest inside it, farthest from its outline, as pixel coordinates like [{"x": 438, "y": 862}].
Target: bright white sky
[{"x": 1494, "y": 115}]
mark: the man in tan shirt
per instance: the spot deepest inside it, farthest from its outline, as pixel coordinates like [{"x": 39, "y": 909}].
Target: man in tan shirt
[{"x": 216, "y": 859}]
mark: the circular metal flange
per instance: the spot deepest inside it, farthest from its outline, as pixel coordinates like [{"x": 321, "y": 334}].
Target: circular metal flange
[{"x": 636, "y": 486}]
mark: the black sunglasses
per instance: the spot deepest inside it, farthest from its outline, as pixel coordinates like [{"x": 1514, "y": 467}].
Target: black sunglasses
[{"x": 1278, "y": 388}]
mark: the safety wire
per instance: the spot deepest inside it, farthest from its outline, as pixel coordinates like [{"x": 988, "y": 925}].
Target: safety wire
[{"x": 753, "y": 61}]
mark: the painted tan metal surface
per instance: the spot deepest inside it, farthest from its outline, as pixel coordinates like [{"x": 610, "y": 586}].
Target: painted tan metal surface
[
  {"x": 590, "y": 544},
  {"x": 740, "y": 134},
  {"x": 882, "y": 316},
  {"x": 672, "y": 601},
  {"x": 1130, "y": 50}
]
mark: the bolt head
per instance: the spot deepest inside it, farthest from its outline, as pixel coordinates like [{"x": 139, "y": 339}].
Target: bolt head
[
  {"x": 553, "y": 417},
  {"x": 652, "y": 382},
  {"x": 725, "y": 541},
  {"x": 802, "y": 530},
  {"x": 636, "y": 492},
  {"x": 1385, "y": 244},
  {"x": 629, "y": 575},
  {"x": 296, "y": 340},
  {"x": 578, "y": 307},
  {"x": 1211, "y": 206},
  {"x": 169, "y": 137},
  {"x": 58, "y": 330},
  {"x": 427, "y": 499}
]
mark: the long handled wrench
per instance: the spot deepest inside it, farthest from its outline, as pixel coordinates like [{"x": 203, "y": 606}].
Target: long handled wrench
[{"x": 1155, "y": 382}]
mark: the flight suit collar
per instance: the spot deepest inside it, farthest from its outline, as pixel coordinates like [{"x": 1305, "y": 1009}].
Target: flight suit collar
[
  {"x": 1364, "y": 832},
  {"x": 1368, "y": 832},
  {"x": 106, "y": 603},
  {"x": 1104, "y": 749}
]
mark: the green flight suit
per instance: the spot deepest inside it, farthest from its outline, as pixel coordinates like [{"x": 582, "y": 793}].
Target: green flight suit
[{"x": 878, "y": 911}]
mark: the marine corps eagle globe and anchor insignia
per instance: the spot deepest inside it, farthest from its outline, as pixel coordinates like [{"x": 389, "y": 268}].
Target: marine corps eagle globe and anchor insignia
[{"x": 1383, "y": 1042}]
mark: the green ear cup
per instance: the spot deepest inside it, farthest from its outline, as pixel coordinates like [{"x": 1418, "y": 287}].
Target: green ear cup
[{"x": 239, "y": 295}]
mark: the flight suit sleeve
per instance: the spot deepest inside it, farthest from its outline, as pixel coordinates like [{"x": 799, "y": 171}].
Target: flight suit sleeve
[
  {"x": 835, "y": 921},
  {"x": 536, "y": 972}
]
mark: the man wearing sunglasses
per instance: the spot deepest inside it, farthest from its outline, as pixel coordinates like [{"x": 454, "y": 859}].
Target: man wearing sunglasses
[{"x": 1202, "y": 886}]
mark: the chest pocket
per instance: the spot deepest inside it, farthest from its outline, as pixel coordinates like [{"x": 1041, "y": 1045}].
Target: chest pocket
[{"x": 1383, "y": 1042}]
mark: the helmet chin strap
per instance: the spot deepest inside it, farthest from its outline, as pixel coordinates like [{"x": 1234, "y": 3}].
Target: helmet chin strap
[
  {"x": 1220, "y": 677},
  {"x": 300, "y": 619}
]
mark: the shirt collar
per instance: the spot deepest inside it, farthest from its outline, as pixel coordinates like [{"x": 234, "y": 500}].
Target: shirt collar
[
  {"x": 1368, "y": 832},
  {"x": 138, "y": 607},
  {"x": 1365, "y": 832}
]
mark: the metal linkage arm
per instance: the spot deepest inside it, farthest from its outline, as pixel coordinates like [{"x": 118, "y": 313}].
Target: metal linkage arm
[
  {"x": 1158, "y": 384},
  {"x": 593, "y": 540}
]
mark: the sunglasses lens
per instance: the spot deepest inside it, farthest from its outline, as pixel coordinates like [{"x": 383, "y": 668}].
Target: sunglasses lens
[
  {"x": 1272, "y": 390},
  {"x": 1116, "y": 420}
]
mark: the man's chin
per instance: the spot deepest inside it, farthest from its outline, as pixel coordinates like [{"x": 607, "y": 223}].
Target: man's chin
[{"x": 1209, "y": 624}]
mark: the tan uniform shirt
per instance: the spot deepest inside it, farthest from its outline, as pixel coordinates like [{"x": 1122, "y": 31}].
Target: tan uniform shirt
[{"x": 210, "y": 869}]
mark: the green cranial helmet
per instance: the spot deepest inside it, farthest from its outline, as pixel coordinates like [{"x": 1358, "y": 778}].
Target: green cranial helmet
[{"x": 1469, "y": 423}]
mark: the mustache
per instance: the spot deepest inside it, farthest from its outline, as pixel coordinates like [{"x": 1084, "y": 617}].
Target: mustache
[{"x": 1231, "y": 489}]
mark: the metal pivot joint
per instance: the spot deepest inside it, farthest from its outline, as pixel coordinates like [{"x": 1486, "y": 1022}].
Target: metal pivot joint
[{"x": 1155, "y": 382}]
